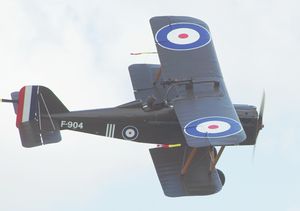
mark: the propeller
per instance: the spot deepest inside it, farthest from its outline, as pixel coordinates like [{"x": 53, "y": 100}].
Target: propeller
[{"x": 260, "y": 124}]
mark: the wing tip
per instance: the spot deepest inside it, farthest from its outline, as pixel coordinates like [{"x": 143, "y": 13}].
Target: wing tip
[{"x": 175, "y": 19}]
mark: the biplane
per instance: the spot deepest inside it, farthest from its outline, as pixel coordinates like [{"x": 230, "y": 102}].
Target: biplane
[{"x": 181, "y": 105}]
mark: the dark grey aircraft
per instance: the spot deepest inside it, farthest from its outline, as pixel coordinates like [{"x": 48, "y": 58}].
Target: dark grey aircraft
[{"x": 181, "y": 105}]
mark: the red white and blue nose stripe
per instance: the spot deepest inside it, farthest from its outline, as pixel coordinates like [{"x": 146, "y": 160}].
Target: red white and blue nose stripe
[
  {"x": 182, "y": 36},
  {"x": 212, "y": 127},
  {"x": 27, "y": 104}
]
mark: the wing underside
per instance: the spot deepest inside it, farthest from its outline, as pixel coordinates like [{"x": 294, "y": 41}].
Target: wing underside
[
  {"x": 209, "y": 121},
  {"x": 199, "y": 180}
]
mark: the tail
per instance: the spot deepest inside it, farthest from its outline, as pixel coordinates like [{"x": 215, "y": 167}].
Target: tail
[{"x": 34, "y": 106}]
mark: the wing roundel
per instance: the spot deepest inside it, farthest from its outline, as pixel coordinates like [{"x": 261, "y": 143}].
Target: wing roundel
[{"x": 185, "y": 47}]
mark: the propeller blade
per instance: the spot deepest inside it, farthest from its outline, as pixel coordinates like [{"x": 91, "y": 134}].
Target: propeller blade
[
  {"x": 260, "y": 124},
  {"x": 261, "y": 112},
  {"x": 253, "y": 152}
]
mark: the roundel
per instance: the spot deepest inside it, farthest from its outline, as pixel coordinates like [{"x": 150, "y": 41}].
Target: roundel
[
  {"x": 130, "y": 133},
  {"x": 182, "y": 36},
  {"x": 212, "y": 127}
]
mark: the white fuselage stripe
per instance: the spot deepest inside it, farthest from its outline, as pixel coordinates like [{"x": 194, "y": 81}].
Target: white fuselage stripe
[
  {"x": 27, "y": 103},
  {"x": 107, "y": 129},
  {"x": 113, "y": 130},
  {"x": 110, "y": 130}
]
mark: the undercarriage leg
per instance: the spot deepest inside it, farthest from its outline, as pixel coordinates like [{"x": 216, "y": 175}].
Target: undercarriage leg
[
  {"x": 188, "y": 161},
  {"x": 215, "y": 159}
]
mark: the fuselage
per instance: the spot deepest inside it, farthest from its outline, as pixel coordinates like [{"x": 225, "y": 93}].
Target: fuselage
[{"x": 159, "y": 126}]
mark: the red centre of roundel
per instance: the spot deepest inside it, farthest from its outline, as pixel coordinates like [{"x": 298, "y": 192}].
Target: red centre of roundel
[
  {"x": 213, "y": 127},
  {"x": 183, "y": 36}
]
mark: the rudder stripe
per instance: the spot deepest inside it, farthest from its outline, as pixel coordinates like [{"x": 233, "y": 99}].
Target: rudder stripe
[{"x": 27, "y": 104}]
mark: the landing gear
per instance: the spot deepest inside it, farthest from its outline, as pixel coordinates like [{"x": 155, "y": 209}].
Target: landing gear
[{"x": 214, "y": 158}]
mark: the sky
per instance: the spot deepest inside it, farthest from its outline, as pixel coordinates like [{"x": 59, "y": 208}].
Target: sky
[{"x": 81, "y": 51}]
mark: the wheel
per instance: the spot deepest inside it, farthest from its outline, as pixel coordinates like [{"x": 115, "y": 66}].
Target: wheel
[{"x": 222, "y": 176}]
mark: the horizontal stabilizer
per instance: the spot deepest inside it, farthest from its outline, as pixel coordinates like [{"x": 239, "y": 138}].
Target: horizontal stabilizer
[
  {"x": 198, "y": 180},
  {"x": 32, "y": 136}
]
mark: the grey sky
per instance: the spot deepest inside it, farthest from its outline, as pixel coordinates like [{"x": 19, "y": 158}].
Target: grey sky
[{"x": 80, "y": 50}]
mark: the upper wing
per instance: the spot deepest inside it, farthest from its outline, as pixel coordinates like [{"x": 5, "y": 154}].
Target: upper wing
[
  {"x": 189, "y": 63},
  {"x": 184, "y": 47},
  {"x": 209, "y": 121}
]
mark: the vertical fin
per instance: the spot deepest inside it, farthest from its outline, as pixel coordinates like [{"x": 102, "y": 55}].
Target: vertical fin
[{"x": 35, "y": 106}]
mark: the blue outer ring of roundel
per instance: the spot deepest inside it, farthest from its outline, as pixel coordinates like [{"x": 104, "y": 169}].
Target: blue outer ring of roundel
[
  {"x": 130, "y": 138},
  {"x": 162, "y": 40},
  {"x": 190, "y": 128}
]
